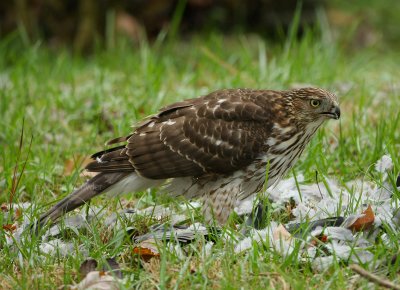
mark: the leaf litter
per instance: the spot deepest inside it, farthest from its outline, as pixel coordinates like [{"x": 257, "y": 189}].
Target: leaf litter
[{"x": 329, "y": 223}]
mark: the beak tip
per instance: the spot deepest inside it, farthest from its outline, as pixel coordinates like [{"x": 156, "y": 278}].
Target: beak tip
[{"x": 337, "y": 113}]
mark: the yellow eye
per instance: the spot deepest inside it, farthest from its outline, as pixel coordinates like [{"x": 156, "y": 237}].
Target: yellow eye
[{"x": 315, "y": 103}]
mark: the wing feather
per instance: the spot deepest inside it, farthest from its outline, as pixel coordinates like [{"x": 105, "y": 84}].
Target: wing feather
[
  {"x": 213, "y": 134},
  {"x": 218, "y": 133}
]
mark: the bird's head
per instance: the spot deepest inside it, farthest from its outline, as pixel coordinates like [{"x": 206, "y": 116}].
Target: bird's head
[{"x": 313, "y": 105}]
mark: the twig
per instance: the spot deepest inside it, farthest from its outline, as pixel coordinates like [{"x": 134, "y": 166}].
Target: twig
[{"x": 374, "y": 278}]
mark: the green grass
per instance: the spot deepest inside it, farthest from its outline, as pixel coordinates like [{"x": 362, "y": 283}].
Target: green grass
[{"x": 72, "y": 104}]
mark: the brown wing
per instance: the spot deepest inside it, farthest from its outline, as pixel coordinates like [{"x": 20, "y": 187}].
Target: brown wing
[{"x": 219, "y": 133}]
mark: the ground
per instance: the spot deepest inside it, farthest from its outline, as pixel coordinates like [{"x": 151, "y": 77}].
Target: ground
[{"x": 68, "y": 106}]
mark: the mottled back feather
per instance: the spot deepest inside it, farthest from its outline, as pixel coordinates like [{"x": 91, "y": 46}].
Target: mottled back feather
[{"x": 218, "y": 133}]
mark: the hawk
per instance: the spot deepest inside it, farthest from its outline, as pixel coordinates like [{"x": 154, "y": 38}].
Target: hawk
[{"x": 216, "y": 147}]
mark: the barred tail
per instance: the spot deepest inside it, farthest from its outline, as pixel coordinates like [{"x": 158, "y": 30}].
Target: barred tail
[{"x": 95, "y": 186}]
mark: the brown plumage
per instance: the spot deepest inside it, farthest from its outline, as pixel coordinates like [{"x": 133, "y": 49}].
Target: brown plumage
[{"x": 216, "y": 147}]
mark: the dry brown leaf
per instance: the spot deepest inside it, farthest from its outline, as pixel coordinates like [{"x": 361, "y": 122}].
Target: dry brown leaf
[
  {"x": 365, "y": 221},
  {"x": 145, "y": 254},
  {"x": 10, "y": 227},
  {"x": 147, "y": 250}
]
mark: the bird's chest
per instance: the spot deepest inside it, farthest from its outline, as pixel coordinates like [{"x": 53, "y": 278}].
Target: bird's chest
[
  {"x": 283, "y": 154},
  {"x": 273, "y": 164}
]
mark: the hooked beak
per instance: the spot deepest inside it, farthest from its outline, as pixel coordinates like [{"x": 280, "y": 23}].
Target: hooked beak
[{"x": 333, "y": 114}]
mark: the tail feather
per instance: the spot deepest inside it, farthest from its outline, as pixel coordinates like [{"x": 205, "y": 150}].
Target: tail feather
[{"x": 90, "y": 189}]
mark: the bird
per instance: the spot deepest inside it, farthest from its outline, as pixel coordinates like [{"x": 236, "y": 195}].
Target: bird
[{"x": 220, "y": 148}]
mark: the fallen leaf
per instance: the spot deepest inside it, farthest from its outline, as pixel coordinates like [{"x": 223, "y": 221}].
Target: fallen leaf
[
  {"x": 10, "y": 227},
  {"x": 350, "y": 220},
  {"x": 147, "y": 250},
  {"x": 145, "y": 254},
  {"x": 365, "y": 221},
  {"x": 57, "y": 246}
]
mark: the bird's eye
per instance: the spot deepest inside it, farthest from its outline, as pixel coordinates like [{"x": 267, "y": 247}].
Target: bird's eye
[{"x": 315, "y": 103}]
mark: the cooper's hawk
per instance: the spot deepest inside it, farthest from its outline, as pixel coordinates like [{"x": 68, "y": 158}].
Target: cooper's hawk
[{"x": 216, "y": 147}]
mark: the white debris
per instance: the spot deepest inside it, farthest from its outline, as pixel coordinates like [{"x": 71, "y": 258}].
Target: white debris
[
  {"x": 362, "y": 257},
  {"x": 321, "y": 264},
  {"x": 276, "y": 236},
  {"x": 73, "y": 223},
  {"x": 339, "y": 249},
  {"x": 207, "y": 250},
  {"x": 57, "y": 246},
  {"x": 256, "y": 236},
  {"x": 314, "y": 202},
  {"x": 329, "y": 199},
  {"x": 334, "y": 233},
  {"x": 384, "y": 164},
  {"x": 177, "y": 250},
  {"x": 197, "y": 227},
  {"x": 100, "y": 281},
  {"x": 245, "y": 207}
]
